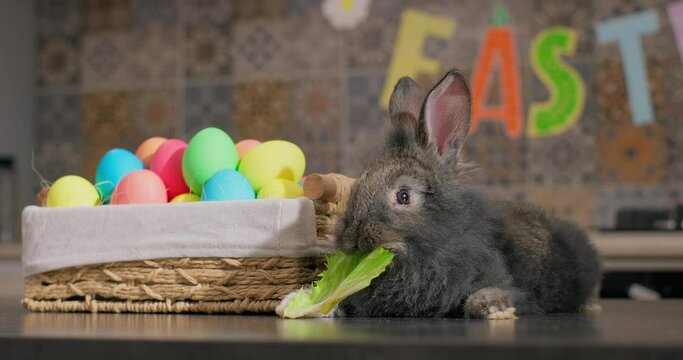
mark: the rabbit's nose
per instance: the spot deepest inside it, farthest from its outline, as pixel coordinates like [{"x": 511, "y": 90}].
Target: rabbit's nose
[
  {"x": 369, "y": 235},
  {"x": 359, "y": 236}
]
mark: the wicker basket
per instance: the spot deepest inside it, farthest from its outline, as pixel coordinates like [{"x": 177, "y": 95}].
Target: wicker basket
[
  {"x": 194, "y": 285},
  {"x": 207, "y": 285}
]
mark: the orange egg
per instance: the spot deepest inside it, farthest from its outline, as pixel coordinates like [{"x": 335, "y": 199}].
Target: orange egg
[
  {"x": 146, "y": 150},
  {"x": 244, "y": 146}
]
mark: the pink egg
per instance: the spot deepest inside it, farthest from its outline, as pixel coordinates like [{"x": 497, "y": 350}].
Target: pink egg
[
  {"x": 140, "y": 187},
  {"x": 146, "y": 150},
  {"x": 244, "y": 146},
  {"x": 168, "y": 164}
]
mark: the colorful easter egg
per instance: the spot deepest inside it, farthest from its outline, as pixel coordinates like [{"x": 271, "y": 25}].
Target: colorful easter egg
[
  {"x": 140, "y": 187},
  {"x": 208, "y": 152},
  {"x": 168, "y": 164},
  {"x": 227, "y": 185},
  {"x": 114, "y": 166},
  {"x": 71, "y": 191},
  {"x": 274, "y": 159},
  {"x": 280, "y": 188},
  {"x": 187, "y": 197},
  {"x": 244, "y": 146},
  {"x": 146, "y": 150}
]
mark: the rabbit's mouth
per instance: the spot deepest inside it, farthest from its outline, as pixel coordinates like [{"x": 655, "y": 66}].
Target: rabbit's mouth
[
  {"x": 364, "y": 237},
  {"x": 393, "y": 241},
  {"x": 397, "y": 247}
]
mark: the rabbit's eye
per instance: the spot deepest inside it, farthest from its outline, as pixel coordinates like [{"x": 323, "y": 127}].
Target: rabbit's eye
[{"x": 403, "y": 197}]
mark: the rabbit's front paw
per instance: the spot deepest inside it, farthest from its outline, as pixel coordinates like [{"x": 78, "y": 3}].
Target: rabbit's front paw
[{"x": 489, "y": 303}]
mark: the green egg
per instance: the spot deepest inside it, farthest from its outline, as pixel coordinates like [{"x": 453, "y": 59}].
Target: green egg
[{"x": 208, "y": 152}]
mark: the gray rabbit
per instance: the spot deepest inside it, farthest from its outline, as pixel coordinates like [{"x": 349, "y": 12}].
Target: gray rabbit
[{"x": 459, "y": 253}]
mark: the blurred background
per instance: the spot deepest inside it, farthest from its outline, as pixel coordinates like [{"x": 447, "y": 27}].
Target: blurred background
[{"x": 578, "y": 104}]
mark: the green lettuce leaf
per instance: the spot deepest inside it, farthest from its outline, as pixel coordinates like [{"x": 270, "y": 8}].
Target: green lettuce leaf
[{"x": 344, "y": 276}]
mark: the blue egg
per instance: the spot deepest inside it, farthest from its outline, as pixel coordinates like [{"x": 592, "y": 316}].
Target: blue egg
[
  {"x": 227, "y": 184},
  {"x": 114, "y": 166}
]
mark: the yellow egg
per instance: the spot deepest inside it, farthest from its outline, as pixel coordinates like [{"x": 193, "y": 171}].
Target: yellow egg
[
  {"x": 281, "y": 188},
  {"x": 71, "y": 191},
  {"x": 187, "y": 197},
  {"x": 275, "y": 159}
]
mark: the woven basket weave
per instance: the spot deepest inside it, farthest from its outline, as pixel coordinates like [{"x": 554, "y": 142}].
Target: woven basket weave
[
  {"x": 207, "y": 285},
  {"x": 195, "y": 285}
]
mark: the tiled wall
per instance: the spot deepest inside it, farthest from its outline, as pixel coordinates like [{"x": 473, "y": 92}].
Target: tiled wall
[{"x": 111, "y": 73}]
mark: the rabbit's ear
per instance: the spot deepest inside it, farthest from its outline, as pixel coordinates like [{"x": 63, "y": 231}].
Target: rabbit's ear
[
  {"x": 405, "y": 103},
  {"x": 446, "y": 114}
]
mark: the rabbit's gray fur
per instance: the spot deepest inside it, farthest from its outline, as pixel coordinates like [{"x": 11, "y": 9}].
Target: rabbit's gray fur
[{"x": 458, "y": 251}]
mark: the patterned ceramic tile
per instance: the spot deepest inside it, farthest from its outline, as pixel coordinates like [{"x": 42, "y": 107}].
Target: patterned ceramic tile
[
  {"x": 665, "y": 75},
  {"x": 285, "y": 61},
  {"x": 107, "y": 124},
  {"x": 661, "y": 39},
  {"x": 371, "y": 43},
  {"x": 58, "y": 119},
  {"x": 569, "y": 203},
  {"x": 363, "y": 132},
  {"x": 154, "y": 113},
  {"x": 675, "y": 190},
  {"x": 313, "y": 44},
  {"x": 636, "y": 155},
  {"x": 675, "y": 155},
  {"x": 204, "y": 12},
  {"x": 148, "y": 13},
  {"x": 567, "y": 159},
  {"x": 444, "y": 8},
  {"x": 612, "y": 96},
  {"x": 107, "y": 113},
  {"x": 389, "y": 9},
  {"x": 472, "y": 20},
  {"x": 577, "y": 15},
  {"x": 54, "y": 159},
  {"x": 59, "y": 60},
  {"x": 510, "y": 193},
  {"x": 260, "y": 110},
  {"x": 588, "y": 121},
  {"x": 58, "y": 17},
  {"x": 501, "y": 158},
  {"x": 58, "y": 136},
  {"x": 460, "y": 50},
  {"x": 631, "y": 155},
  {"x": 104, "y": 59},
  {"x": 208, "y": 106},
  {"x": 152, "y": 55},
  {"x": 264, "y": 9},
  {"x": 207, "y": 50},
  {"x": 668, "y": 110},
  {"x": 570, "y": 157},
  {"x": 259, "y": 47},
  {"x": 120, "y": 59},
  {"x": 613, "y": 198},
  {"x": 315, "y": 110},
  {"x": 303, "y": 7},
  {"x": 611, "y": 92},
  {"x": 99, "y": 15},
  {"x": 662, "y": 61},
  {"x": 609, "y": 9}
]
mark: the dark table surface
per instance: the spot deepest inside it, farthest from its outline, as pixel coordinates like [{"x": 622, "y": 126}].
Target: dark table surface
[{"x": 623, "y": 330}]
